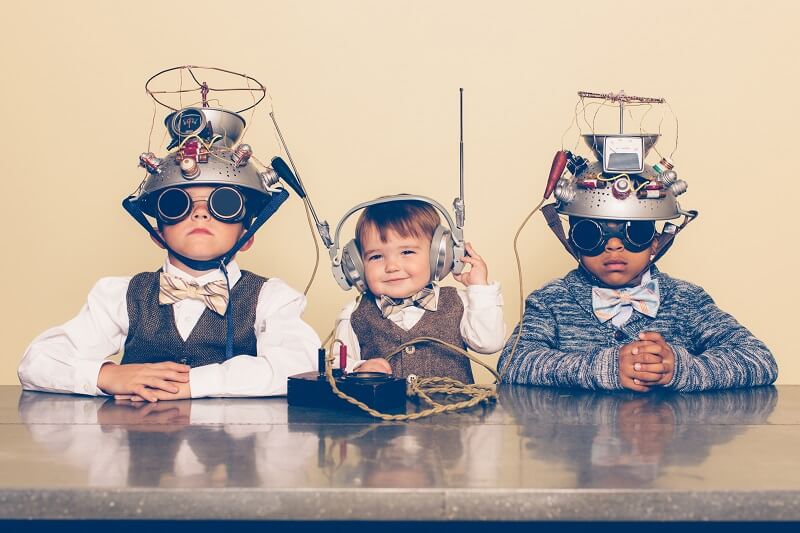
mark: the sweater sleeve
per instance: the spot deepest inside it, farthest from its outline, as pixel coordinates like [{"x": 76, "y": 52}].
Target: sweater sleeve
[
  {"x": 537, "y": 359},
  {"x": 721, "y": 354}
]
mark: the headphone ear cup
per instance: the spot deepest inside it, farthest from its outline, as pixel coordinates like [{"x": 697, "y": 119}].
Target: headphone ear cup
[
  {"x": 441, "y": 257},
  {"x": 353, "y": 266}
]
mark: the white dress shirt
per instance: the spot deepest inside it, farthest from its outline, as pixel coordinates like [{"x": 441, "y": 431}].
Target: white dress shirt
[
  {"x": 68, "y": 358},
  {"x": 482, "y": 325}
]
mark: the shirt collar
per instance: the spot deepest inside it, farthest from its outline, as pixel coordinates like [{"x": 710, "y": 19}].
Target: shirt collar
[{"x": 234, "y": 273}]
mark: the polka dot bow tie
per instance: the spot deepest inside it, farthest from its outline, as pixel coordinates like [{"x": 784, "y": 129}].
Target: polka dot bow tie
[{"x": 173, "y": 289}]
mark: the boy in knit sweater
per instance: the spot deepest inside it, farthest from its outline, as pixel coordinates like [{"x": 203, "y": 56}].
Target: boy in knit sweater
[
  {"x": 616, "y": 321},
  {"x": 402, "y": 301}
]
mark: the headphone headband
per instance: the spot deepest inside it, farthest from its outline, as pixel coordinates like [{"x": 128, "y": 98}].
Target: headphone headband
[{"x": 457, "y": 232}]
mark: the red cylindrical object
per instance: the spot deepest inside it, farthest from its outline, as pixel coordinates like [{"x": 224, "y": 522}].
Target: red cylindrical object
[
  {"x": 342, "y": 356},
  {"x": 556, "y": 169}
]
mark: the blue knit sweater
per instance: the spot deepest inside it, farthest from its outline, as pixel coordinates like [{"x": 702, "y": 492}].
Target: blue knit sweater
[{"x": 563, "y": 344}]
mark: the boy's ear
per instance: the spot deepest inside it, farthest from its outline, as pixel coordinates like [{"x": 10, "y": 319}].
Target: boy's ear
[
  {"x": 654, "y": 245},
  {"x": 246, "y": 246},
  {"x": 156, "y": 240}
]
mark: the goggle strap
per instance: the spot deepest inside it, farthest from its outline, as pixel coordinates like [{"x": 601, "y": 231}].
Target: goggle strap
[
  {"x": 275, "y": 201},
  {"x": 665, "y": 240},
  {"x": 557, "y": 227}
]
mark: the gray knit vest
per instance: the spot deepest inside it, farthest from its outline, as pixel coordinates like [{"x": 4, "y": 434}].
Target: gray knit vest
[
  {"x": 378, "y": 336},
  {"x": 154, "y": 338}
]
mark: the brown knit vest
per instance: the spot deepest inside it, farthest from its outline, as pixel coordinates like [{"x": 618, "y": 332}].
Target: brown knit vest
[
  {"x": 154, "y": 338},
  {"x": 378, "y": 336}
]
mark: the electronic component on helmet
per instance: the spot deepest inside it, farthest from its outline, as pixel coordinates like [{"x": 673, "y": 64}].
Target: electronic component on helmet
[
  {"x": 241, "y": 155},
  {"x": 623, "y": 154},
  {"x": 644, "y": 194},
  {"x": 679, "y": 187},
  {"x": 621, "y": 188},
  {"x": 269, "y": 177},
  {"x": 556, "y": 170},
  {"x": 189, "y": 168},
  {"x": 576, "y": 164},
  {"x": 663, "y": 165},
  {"x": 565, "y": 190},
  {"x": 149, "y": 161},
  {"x": 668, "y": 177}
]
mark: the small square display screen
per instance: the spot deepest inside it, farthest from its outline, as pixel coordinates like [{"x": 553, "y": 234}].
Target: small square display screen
[{"x": 623, "y": 154}]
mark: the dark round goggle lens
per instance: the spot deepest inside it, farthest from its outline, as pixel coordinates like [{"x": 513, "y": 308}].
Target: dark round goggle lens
[
  {"x": 640, "y": 232},
  {"x": 586, "y": 235},
  {"x": 173, "y": 205},
  {"x": 226, "y": 204}
]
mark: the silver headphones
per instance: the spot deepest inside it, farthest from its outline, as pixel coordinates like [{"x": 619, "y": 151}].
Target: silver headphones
[{"x": 447, "y": 247}]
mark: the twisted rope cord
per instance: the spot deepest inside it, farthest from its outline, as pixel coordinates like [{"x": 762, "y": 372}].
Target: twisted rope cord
[{"x": 423, "y": 388}]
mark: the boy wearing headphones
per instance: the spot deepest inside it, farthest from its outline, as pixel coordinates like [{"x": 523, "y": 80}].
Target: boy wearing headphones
[
  {"x": 616, "y": 321},
  {"x": 399, "y": 243},
  {"x": 199, "y": 326}
]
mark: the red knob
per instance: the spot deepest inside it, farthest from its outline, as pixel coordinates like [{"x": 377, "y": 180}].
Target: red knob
[
  {"x": 342, "y": 356},
  {"x": 556, "y": 169}
]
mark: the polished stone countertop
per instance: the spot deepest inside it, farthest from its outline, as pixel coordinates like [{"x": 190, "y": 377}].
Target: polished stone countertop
[{"x": 538, "y": 454}]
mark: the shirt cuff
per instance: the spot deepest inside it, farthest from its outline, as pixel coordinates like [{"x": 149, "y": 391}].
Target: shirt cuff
[
  {"x": 86, "y": 376},
  {"x": 605, "y": 369},
  {"x": 206, "y": 380},
  {"x": 483, "y": 296}
]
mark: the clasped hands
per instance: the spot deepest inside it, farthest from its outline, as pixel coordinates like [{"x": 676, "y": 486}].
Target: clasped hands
[{"x": 646, "y": 363}]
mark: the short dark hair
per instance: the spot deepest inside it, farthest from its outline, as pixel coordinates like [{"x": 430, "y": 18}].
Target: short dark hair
[{"x": 404, "y": 217}]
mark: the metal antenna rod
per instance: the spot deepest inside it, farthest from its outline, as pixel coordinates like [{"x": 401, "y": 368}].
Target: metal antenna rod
[
  {"x": 458, "y": 203},
  {"x": 322, "y": 227},
  {"x": 621, "y": 111}
]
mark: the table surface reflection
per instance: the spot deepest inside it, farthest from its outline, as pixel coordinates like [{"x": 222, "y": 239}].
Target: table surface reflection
[{"x": 538, "y": 454}]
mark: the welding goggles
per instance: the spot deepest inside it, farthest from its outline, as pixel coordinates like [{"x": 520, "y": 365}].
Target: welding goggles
[
  {"x": 225, "y": 203},
  {"x": 589, "y": 236}
]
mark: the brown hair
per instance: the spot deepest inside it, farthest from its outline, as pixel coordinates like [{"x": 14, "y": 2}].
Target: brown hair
[{"x": 404, "y": 217}]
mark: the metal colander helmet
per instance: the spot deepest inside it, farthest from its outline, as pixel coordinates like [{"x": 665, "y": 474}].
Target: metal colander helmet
[
  {"x": 619, "y": 185},
  {"x": 206, "y": 151}
]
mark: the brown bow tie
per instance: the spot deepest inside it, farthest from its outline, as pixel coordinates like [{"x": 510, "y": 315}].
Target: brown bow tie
[{"x": 173, "y": 289}]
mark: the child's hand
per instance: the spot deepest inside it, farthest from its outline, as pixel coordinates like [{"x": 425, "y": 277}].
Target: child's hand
[
  {"x": 478, "y": 273},
  {"x": 378, "y": 364},
  {"x": 143, "y": 380},
  {"x": 634, "y": 361},
  {"x": 184, "y": 393},
  {"x": 666, "y": 367}
]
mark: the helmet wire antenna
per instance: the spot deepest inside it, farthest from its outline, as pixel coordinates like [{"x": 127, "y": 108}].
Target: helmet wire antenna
[{"x": 322, "y": 226}]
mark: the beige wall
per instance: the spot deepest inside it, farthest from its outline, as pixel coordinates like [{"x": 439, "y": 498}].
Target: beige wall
[{"x": 367, "y": 97}]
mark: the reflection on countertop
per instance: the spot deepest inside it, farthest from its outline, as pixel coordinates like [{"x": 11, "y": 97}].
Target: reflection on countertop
[{"x": 534, "y": 438}]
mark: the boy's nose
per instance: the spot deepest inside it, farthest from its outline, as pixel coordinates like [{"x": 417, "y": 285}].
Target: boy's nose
[
  {"x": 614, "y": 244},
  {"x": 391, "y": 265},
  {"x": 200, "y": 209}
]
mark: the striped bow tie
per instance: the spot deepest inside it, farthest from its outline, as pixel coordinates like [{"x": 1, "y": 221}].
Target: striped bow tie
[
  {"x": 424, "y": 299},
  {"x": 607, "y": 303},
  {"x": 173, "y": 289}
]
